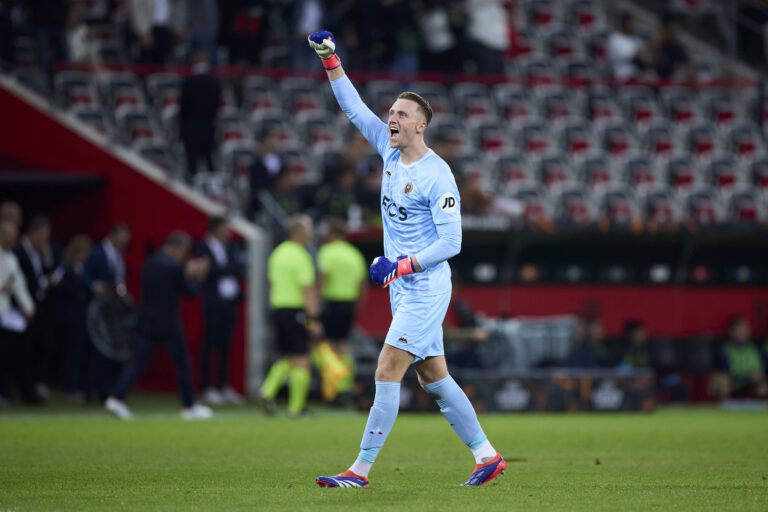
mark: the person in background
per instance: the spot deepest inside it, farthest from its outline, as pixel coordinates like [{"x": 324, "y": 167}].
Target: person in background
[
  {"x": 11, "y": 211},
  {"x": 588, "y": 345},
  {"x": 73, "y": 291},
  {"x": 105, "y": 270},
  {"x": 166, "y": 276},
  {"x": 634, "y": 347},
  {"x": 13, "y": 321},
  {"x": 487, "y": 35},
  {"x": 36, "y": 261},
  {"x": 266, "y": 168},
  {"x": 627, "y": 52},
  {"x": 49, "y": 20},
  {"x": 203, "y": 27},
  {"x": 667, "y": 52},
  {"x": 151, "y": 24},
  {"x": 742, "y": 367},
  {"x": 198, "y": 105},
  {"x": 343, "y": 286},
  {"x": 295, "y": 303},
  {"x": 221, "y": 296}
]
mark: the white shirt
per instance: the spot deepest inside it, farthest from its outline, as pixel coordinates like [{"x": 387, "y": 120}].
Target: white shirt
[
  {"x": 217, "y": 249},
  {"x": 162, "y": 13},
  {"x": 621, "y": 49},
  {"x": 13, "y": 284},
  {"x": 488, "y": 23}
]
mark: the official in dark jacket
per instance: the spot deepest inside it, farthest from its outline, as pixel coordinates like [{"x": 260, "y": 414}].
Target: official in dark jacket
[
  {"x": 221, "y": 296},
  {"x": 165, "y": 278}
]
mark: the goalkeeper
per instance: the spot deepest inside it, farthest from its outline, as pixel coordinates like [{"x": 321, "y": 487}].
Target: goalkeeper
[{"x": 420, "y": 210}]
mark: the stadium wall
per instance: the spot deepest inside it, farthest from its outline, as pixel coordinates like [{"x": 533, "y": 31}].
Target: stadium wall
[
  {"x": 34, "y": 137},
  {"x": 668, "y": 310}
]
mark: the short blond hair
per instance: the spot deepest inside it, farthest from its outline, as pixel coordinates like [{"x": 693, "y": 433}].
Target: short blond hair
[{"x": 424, "y": 105}]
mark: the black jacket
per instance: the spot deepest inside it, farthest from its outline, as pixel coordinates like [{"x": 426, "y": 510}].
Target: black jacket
[
  {"x": 163, "y": 283},
  {"x": 233, "y": 269}
]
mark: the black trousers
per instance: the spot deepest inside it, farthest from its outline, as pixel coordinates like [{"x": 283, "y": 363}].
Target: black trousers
[
  {"x": 198, "y": 144},
  {"x": 10, "y": 353},
  {"x": 218, "y": 328},
  {"x": 176, "y": 346}
]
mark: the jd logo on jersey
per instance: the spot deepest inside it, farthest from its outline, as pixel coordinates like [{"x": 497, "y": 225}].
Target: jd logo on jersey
[
  {"x": 392, "y": 209},
  {"x": 447, "y": 202}
]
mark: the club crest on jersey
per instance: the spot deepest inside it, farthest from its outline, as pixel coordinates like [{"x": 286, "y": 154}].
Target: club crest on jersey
[
  {"x": 388, "y": 174},
  {"x": 408, "y": 187},
  {"x": 403, "y": 339}
]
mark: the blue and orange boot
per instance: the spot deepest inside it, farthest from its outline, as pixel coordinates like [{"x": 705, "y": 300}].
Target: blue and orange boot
[
  {"x": 484, "y": 473},
  {"x": 345, "y": 479}
]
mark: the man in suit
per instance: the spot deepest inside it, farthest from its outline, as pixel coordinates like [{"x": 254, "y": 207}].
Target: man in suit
[
  {"x": 221, "y": 295},
  {"x": 199, "y": 103},
  {"x": 166, "y": 276},
  {"x": 105, "y": 269},
  {"x": 36, "y": 263}
]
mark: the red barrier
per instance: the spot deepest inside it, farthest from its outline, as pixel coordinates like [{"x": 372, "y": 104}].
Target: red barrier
[
  {"x": 34, "y": 139},
  {"x": 669, "y": 311}
]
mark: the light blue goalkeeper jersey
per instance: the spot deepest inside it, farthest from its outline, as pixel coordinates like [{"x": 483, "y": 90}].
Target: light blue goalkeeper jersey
[{"x": 414, "y": 198}]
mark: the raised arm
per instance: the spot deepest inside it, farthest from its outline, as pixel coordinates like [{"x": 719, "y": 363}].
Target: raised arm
[{"x": 372, "y": 128}]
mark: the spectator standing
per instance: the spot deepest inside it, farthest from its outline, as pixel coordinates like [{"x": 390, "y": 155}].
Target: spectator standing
[
  {"x": 203, "y": 28},
  {"x": 73, "y": 291},
  {"x": 634, "y": 348},
  {"x": 588, "y": 345},
  {"x": 11, "y": 211},
  {"x": 627, "y": 52},
  {"x": 487, "y": 35},
  {"x": 221, "y": 296},
  {"x": 13, "y": 322},
  {"x": 151, "y": 24},
  {"x": 741, "y": 363},
  {"x": 35, "y": 258},
  {"x": 343, "y": 285},
  {"x": 307, "y": 16},
  {"x": 198, "y": 105},
  {"x": 49, "y": 20},
  {"x": 165, "y": 277},
  {"x": 105, "y": 270},
  {"x": 438, "y": 48},
  {"x": 668, "y": 53},
  {"x": 294, "y": 300}
]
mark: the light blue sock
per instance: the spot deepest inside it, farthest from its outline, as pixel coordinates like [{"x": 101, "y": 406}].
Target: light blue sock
[
  {"x": 458, "y": 410},
  {"x": 380, "y": 420}
]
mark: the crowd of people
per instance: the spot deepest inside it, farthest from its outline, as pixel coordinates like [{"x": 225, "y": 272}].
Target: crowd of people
[{"x": 50, "y": 300}]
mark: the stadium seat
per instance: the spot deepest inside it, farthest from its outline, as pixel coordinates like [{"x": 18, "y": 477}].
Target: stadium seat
[
  {"x": 721, "y": 110},
  {"x": 533, "y": 138},
  {"x": 639, "y": 171},
  {"x": 596, "y": 46},
  {"x": 556, "y": 107},
  {"x": 744, "y": 206},
  {"x": 573, "y": 205},
  {"x": 156, "y": 151},
  {"x": 488, "y": 136},
  {"x": 136, "y": 125},
  {"x": 274, "y": 121},
  {"x": 316, "y": 133},
  {"x": 381, "y": 94},
  {"x": 722, "y": 174},
  {"x": 96, "y": 119},
  {"x": 436, "y": 94},
  {"x": 701, "y": 140},
  {"x": 679, "y": 107},
  {"x": 641, "y": 111},
  {"x": 472, "y": 100},
  {"x": 617, "y": 205},
  {"x": 260, "y": 103},
  {"x": 595, "y": 172},
  {"x": 75, "y": 87},
  {"x": 617, "y": 140},
  {"x": 601, "y": 108},
  {"x": 553, "y": 171},
  {"x": 510, "y": 172},
  {"x": 584, "y": 15},
  {"x": 579, "y": 74},
  {"x": 744, "y": 139},
  {"x": 659, "y": 139},
  {"x": 562, "y": 46},
  {"x": 757, "y": 174},
  {"x": 576, "y": 140},
  {"x": 538, "y": 71},
  {"x": 237, "y": 157},
  {"x": 702, "y": 206},
  {"x": 658, "y": 205},
  {"x": 513, "y": 104},
  {"x": 231, "y": 126},
  {"x": 541, "y": 14},
  {"x": 535, "y": 207},
  {"x": 680, "y": 173}
]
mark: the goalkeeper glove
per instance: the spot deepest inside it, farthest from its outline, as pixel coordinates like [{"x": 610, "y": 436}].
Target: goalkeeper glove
[
  {"x": 322, "y": 42},
  {"x": 383, "y": 271}
]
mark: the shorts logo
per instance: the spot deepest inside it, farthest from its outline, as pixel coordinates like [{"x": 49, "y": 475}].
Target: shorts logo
[
  {"x": 447, "y": 202},
  {"x": 408, "y": 187},
  {"x": 403, "y": 339}
]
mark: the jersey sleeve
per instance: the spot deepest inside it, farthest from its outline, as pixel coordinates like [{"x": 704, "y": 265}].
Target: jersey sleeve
[
  {"x": 443, "y": 198},
  {"x": 372, "y": 128}
]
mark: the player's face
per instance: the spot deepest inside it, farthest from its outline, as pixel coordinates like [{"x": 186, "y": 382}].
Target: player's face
[{"x": 405, "y": 122}]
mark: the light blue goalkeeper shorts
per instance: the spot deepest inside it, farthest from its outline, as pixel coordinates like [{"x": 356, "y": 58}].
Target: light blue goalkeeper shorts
[{"x": 417, "y": 323}]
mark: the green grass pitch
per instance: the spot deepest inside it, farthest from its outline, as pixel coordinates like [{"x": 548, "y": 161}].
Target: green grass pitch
[{"x": 75, "y": 458}]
